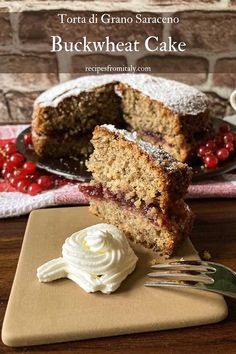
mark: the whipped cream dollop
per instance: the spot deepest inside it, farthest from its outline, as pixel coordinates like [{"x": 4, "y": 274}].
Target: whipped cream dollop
[{"x": 96, "y": 258}]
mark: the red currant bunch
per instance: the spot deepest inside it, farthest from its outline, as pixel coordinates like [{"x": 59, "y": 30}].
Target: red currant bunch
[
  {"x": 24, "y": 175},
  {"x": 219, "y": 148}
]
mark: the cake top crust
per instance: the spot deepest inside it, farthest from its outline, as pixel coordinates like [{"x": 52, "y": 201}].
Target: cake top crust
[
  {"x": 163, "y": 158},
  {"x": 180, "y": 98}
]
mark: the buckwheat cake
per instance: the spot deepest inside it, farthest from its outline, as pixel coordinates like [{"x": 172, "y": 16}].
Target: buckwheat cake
[
  {"x": 164, "y": 112},
  {"x": 139, "y": 188}
]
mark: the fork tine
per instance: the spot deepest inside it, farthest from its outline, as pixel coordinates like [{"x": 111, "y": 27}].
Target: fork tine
[
  {"x": 184, "y": 266},
  {"x": 170, "y": 284},
  {"x": 181, "y": 277}
]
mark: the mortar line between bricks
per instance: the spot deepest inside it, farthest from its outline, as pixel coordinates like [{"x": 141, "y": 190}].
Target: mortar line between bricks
[
  {"x": 166, "y": 29},
  {"x": 64, "y": 63},
  {"x": 7, "y": 106},
  {"x": 14, "y": 19},
  {"x": 212, "y": 63}
]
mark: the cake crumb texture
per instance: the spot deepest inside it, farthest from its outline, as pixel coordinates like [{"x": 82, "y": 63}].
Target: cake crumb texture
[{"x": 125, "y": 163}]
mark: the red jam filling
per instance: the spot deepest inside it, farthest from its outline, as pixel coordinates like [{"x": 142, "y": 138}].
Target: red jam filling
[
  {"x": 99, "y": 192},
  {"x": 157, "y": 137}
]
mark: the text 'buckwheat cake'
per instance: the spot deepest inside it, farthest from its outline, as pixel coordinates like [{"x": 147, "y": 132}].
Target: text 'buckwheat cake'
[
  {"x": 164, "y": 112},
  {"x": 139, "y": 188}
]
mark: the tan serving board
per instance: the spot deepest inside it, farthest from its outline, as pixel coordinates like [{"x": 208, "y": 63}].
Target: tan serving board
[{"x": 61, "y": 311}]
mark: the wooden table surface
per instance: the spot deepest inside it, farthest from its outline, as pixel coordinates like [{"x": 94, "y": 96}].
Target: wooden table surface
[{"x": 214, "y": 230}]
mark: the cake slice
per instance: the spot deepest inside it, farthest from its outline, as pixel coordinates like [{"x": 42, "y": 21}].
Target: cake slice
[{"x": 138, "y": 188}]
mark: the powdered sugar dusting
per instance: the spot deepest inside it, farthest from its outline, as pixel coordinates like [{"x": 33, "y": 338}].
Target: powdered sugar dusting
[
  {"x": 180, "y": 98},
  {"x": 161, "y": 156}
]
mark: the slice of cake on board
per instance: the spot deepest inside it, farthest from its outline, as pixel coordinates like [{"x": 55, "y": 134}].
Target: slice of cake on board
[{"x": 139, "y": 188}]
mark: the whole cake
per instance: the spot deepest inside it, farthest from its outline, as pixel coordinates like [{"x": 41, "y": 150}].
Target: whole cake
[
  {"x": 139, "y": 188},
  {"x": 164, "y": 112}
]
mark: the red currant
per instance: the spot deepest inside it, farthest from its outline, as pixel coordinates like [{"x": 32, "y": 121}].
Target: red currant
[
  {"x": 224, "y": 128},
  {"x": 211, "y": 145},
  {"x": 23, "y": 185},
  {"x": 203, "y": 151},
  {"x": 29, "y": 167},
  {"x": 211, "y": 161},
  {"x": 230, "y": 146},
  {"x": 222, "y": 154},
  {"x": 33, "y": 177},
  {"x": 228, "y": 137},
  {"x": 10, "y": 149},
  {"x": 46, "y": 182},
  {"x": 8, "y": 166},
  {"x": 19, "y": 172},
  {"x": 34, "y": 189},
  {"x": 2, "y": 160},
  {"x": 28, "y": 139},
  {"x": 14, "y": 180},
  {"x": 17, "y": 159},
  {"x": 6, "y": 175}
]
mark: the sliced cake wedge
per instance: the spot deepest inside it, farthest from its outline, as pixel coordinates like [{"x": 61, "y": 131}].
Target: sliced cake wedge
[{"x": 139, "y": 188}]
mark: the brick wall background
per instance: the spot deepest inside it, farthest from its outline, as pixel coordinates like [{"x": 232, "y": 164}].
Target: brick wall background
[{"x": 25, "y": 27}]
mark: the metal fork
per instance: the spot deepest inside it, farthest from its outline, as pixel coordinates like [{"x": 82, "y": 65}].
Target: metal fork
[{"x": 197, "y": 275}]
